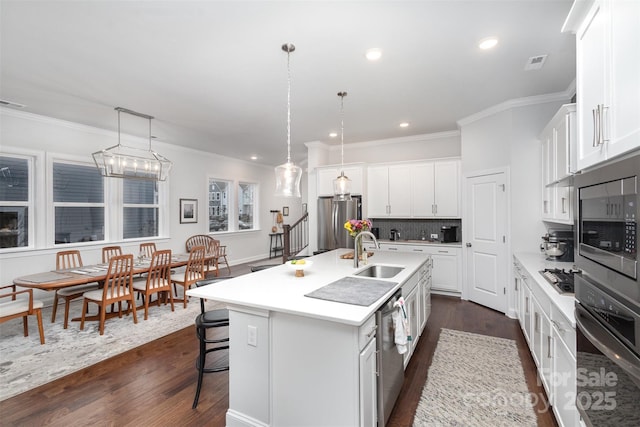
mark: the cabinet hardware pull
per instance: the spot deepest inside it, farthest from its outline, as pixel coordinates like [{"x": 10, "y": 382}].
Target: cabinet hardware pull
[
  {"x": 549, "y": 342},
  {"x": 563, "y": 205},
  {"x": 603, "y": 122},
  {"x": 595, "y": 128},
  {"x": 371, "y": 332},
  {"x": 536, "y": 322},
  {"x": 516, "y": 281}
]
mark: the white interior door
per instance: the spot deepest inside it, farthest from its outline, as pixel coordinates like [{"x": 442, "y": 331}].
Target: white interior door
[{"x": 485, "y": 231}]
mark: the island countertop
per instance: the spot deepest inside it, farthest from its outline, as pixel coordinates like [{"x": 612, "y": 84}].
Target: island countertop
[{"x": 278, "y": 288}]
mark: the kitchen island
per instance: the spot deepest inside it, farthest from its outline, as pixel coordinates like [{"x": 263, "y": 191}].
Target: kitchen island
[{"x": 301, "y": 361}]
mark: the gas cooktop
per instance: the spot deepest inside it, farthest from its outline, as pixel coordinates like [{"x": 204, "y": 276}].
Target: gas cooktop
[{"x": 562, "y": 280}]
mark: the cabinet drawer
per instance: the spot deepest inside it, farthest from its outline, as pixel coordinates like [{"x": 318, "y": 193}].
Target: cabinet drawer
[
  {"x": 566, "y": 332},
  {"x": 541, "y": 297},
  {"x": 367, "y": 332}
]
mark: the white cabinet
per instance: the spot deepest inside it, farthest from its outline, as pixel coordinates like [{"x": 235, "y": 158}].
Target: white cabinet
[
  {"x": 446, "y": 262},
  {"x": 607, "y": 78},
  {"x": 558, "y": 140},
  {"x": 425, "y": 294},
  {"x": 418, "y": 190},
  {"x": 411, "y": 300},
  {"x": 552, "y": 342},
  {"x": 327, "y": 174},
  {"x": 368, "y": 384}
]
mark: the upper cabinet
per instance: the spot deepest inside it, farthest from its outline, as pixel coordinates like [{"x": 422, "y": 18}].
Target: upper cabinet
[
  {"x": 417, "y": 190},
  {"x": 558, "y": 141},
  {"x": 326, "y": 175},
  {"x": 607, "y": 79}
]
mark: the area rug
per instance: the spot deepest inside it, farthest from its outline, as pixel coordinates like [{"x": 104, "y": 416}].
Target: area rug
[
  {"x": 25, "y": 364},
  {"x": 475, "y": 380}
]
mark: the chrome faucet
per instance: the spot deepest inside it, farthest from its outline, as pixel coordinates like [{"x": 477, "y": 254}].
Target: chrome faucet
[{"x": 356, "y": 261}]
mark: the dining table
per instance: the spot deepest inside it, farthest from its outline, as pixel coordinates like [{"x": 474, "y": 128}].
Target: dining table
[{"x": 56, "y": 279}]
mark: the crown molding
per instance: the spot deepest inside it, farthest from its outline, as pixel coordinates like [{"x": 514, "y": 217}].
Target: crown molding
[{"x": 516, "y": 103}]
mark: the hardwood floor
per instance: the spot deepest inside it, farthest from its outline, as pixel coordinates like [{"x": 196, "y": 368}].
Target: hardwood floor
[{"x": 154, "y": 384}]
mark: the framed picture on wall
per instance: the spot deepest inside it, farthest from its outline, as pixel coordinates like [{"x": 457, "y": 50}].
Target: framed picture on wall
[{"x": 188, "y": 211}]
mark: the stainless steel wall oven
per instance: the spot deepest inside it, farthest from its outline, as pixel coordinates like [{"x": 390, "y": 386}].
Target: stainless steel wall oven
[{"x": 608, "y": 295}]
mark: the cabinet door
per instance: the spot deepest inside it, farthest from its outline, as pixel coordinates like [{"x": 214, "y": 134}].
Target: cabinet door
[
  {"x": 422, "y": 190},
  {"x": 527, "y": 310},
  {"x": 546, "y": 355},
  {"x": 325, "y": 177},
  {"x": 445, "y": 272},
  {"x": 399, "y": 194},
  {"x": 447, "y": 189},
  {"x": 517, "y": 292},
  {"x": 590, "y": 80},
  {"x": 378, "y": 191},
  {"x": 354, "y": 173},
  {"x": 624, "y": 77},
  {"x": 411, "y": 307},
  {"x": 562, "y": 211},
  {"x": 564, "y": 384},
  {"x": 368, "y": 382}
]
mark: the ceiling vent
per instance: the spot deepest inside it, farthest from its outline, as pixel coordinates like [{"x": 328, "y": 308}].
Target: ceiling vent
[
  {"x": 6, "y": 103},
  {"x": 535, "y": 62}
]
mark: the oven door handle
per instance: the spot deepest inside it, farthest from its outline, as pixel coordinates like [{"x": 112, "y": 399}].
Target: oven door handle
[{"x": 609, "y": 345}]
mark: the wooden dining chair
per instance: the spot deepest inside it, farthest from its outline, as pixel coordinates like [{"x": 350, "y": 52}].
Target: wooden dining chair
[
  {"x": 157, "y": 280},
  {"x": 193, "y": 272},
  {"x": 68, "y": 260},
  {"x": 110, "y": 251},
  {"x": 221, "y": 258},
  {"x": 118, "y": 287},
  {"x": 147, "y": 249},
  {"x": 211, "y": 250},
  {"x": 15, "y": 306}
]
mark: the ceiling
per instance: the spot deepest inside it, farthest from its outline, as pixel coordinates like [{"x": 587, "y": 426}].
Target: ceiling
[{"x": 213, "y": 74}]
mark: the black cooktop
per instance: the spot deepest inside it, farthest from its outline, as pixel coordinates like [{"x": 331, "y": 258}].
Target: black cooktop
[{"x": 562, "y": 280}]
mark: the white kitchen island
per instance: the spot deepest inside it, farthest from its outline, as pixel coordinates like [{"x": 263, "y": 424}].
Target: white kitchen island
[{"x": 301, "y": 361}]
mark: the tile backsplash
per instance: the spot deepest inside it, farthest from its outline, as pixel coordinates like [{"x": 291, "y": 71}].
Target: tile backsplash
[{"x": 411, "y": 229}]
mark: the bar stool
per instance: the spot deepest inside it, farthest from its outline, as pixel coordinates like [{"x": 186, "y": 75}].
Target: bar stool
[
  {"x": 207, "y": 320},
  {"x": 275, "y": 245}
]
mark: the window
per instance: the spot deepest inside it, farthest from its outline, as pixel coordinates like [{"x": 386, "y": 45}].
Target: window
[
  {"x": 15, "y": 199},
  {"x": 78, "y": 201},
  {"x": 141, "y": 208},
  {"x": 246, "y": 206},
  {"x": 218, "y": 204}
]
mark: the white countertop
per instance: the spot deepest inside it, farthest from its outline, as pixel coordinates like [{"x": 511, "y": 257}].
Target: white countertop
[
  {"x": 278, "y": 289},
  {"x": 534, "y": 262}
]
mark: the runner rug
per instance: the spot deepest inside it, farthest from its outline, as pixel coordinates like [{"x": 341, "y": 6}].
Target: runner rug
[{"x": 475, "y": 380}]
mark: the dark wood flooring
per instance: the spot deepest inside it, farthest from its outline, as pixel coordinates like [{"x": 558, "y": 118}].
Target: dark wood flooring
[{"x": 154, "y": 384}]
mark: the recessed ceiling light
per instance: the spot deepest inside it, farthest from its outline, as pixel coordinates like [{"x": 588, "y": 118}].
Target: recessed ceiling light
[
  {"x": 373, "y": 54},
  {"x": 404, "y": 124},
  {"x": 333, "y": 134},
  {"x": 254, "y": 157},
  {"x": 487, "y": 43}
]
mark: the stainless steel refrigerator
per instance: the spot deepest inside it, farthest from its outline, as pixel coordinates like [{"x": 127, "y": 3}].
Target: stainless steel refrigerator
[{"x": 331, "y": 218}]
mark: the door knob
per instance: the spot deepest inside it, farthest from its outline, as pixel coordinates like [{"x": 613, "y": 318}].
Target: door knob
[{"x": 468, "y": 245}]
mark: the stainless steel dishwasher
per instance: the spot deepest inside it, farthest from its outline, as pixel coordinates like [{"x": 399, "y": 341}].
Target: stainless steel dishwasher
[{"x": 390, "y": 362}]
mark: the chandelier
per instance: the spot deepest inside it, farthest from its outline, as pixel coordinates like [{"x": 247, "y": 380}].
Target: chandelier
[
  {"x": 121, "y": 161},
  {"x": 342, "y": 184},
  {"x": 288, "y": 175}
]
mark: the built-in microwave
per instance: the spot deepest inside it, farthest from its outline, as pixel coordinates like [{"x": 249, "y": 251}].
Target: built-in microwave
[{"x": 607, "y": 225}]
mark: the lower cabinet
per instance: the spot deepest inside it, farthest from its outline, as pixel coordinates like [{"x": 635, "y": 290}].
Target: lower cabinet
[
  {"x": 412, "y": 308},
  {"x": 368, "y": 385},
  {"x": 551, "y": 339}
]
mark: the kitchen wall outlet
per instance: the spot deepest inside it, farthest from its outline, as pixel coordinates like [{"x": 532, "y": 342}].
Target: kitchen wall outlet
[
  {"x": 252, "y": 336},
  {"x": 434, "y": 235}
]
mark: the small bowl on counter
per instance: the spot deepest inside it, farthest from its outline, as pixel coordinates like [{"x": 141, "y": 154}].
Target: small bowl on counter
[{"x": 299, "y": 266}]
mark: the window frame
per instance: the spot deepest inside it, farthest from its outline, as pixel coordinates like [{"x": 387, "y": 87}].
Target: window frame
[
  {"x": 33, "y": 159},
  {"x": 255, "y": 205},
  {"x": 211, "y": 197}
]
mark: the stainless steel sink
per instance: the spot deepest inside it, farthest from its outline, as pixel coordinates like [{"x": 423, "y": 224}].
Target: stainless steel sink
[{"x": 380, "y": 271}]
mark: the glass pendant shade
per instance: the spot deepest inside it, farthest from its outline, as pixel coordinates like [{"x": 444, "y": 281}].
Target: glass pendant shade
[
  {"x": 288, "y": 175},
  {"x": 342, "y": 184},
  {"x": 342, "y": 187},
  {"x": 288, "y": 178}
]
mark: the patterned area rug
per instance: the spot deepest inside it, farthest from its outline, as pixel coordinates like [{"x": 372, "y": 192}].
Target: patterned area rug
[
  {"x": 25, "y": 364},
  {"x": 475, "y": 380}
]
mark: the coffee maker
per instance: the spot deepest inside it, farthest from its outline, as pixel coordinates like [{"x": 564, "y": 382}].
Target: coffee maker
[
  {"x": 449, "y": 233},
  {"x": 558, "y": 245}
]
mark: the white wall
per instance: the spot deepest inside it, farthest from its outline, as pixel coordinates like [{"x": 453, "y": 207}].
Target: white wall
[{"x": 188, "y": 179}]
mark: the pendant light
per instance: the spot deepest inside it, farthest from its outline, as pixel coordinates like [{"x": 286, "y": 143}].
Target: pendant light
[
  {"x": 342, "y": 184},
  {"x": 121, "y": 161},
  {"x": 288, "y": 175}
]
